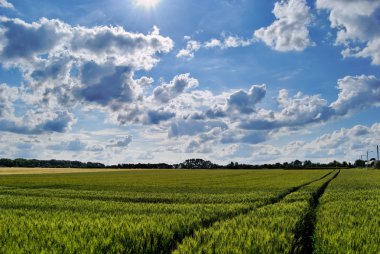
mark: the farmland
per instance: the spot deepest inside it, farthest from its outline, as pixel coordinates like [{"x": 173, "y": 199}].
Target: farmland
[{"x": 191, "y": 211}]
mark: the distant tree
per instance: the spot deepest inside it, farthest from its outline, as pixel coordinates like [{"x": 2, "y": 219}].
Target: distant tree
[
  {"x": 359, "y": 163},
  {"x": 307, "y": 164},
  {"x": 297, "y": 164},
  {"x": 197, "y": 164}
]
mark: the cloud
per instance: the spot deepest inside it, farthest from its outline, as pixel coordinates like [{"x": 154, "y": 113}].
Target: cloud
[
  {"x": 188, "y": 52},
  {"x": 224, "y": 42},
  {"x": 180, "y": 83},
  {"x": 357, "y": 25},
  {"x": 7, "y": 96},
  {"x": 30, "y": 41},
  {"x": 350, "y": 142},
  {"x": 116, "y": 86},
  {"x": 244, "y": 137},
  {"x": 194, "y": 127},
  {"x": 237, "y": 102},
  {"x": 289, "y": 32},
  {"x": 33, "y": 121},
  {"x": 342, "y": 144},
  {"x": 357, "y": 93},
  {"x": 196, "y": 146},
  {"x": 6, "y": 4},
  {"x": 73, "y": 145},
  {"x": 101, "y": 44},
  {"x": 122, "y": 142},
  {"x": 37, "y": 122},
  {"x": 244, "y": 102},
  {"x": 157, "y": 116},
  {"x": 66, "y": 66},
  {"x": 298, "y": 110},
  {"x": 229, "y": 41}
]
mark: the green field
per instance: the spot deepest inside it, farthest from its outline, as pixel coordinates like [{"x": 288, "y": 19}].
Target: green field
[{"x": 191, "y": 211}]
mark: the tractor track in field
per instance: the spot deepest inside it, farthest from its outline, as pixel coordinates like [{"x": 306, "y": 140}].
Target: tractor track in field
[
  {"x": 303, "y": 243},
  {"x": 178, "y": 238}
]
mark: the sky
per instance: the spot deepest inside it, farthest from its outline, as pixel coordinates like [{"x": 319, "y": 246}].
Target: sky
[{"x": 251, "y": 81}]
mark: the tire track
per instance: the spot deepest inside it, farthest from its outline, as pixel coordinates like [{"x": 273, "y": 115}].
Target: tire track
[
  {"x": 305, "y": 231},
  {"x": 178, "y": 238}
]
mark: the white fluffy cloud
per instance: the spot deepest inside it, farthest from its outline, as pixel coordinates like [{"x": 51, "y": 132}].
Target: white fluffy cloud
[
  {"x": 351, "y": 142},
  {"x": 229, "y": 41},
  {"x": 121, "y": 142},
  {"x": 355, "y": 21},
  {"x": 102, "y": 44},
  {"x": 293, "y": 111},
  {"x": 188, "y": 52},
  {"x": 289, "y": 32},
  {"x": 225, "y": 42},
  {"x": 66, "y": 66},
  {"x": 346, "y": 144},
  {"x": 180, "y": 83},
  {"x": 7, "y": 96},
  {"x": 357, "y": 93},
  {"x": 244, "y": 102},
  {"x": 6, "y": 4}
]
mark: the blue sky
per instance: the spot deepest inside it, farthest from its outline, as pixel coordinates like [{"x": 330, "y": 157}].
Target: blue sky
[{"x": 163, "y": 81}]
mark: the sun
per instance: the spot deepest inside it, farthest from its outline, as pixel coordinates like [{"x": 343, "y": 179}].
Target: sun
[{"x": 147, "y": 3}]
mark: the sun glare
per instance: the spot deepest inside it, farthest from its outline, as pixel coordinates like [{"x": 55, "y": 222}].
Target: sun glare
[{"x": 147, "y": 3}]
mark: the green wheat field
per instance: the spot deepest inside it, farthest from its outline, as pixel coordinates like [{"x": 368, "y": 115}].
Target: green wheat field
[{"x": 192, "y": 211}]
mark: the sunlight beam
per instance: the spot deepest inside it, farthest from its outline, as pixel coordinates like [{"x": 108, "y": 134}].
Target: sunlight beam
[{"x": 148, "y": 4}]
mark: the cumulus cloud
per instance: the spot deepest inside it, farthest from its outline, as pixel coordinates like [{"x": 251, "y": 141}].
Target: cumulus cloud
[
  {"x": 6, "y": 4},
  {"x": 65, "y": 66},
  {"x": 357, "y": 25},
  {"x": 74, "y": 145},
  {"x": 194, "y": 127},
  {"x": 357, "y": 93},
  {"x": 298, "y": 110},
  {"x": 244, "y": 137},
  {"x": 30, "y": 40},
  {"x": 7, "y": 96},
  {"x": 244, "y": 102},
  {"x": 224, "y": 42},
  {"x": 196, "y": 146},
  {"x": 188, "y": 52},
  {"x": 347, "y": 141},
  {"x": 121, "y": 142},
  {"x": 37, "y": 122},
  {"x": 237, "y": 102},
  {"x": 239, "y": 109},
  {"x": 178, "y": 85},
  {"x": 342, "y": 144},
  {"x": 289, "y": 32},
  {"x": 157, "y": 116},
  {"x": 101, "y": 44},
  {"x": 116, "y": 86}
]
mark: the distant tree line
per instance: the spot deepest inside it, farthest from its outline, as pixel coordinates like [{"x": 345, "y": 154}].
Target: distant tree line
[
  {"x": 187, "y": 164},
  {"x": 33, "y": 163}
]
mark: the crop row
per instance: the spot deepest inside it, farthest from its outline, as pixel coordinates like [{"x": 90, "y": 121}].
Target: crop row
[
  {"x": 38, "y": 214},
  {"x": 268, "y": 229},
  {"x": 348, "y": 218}
]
